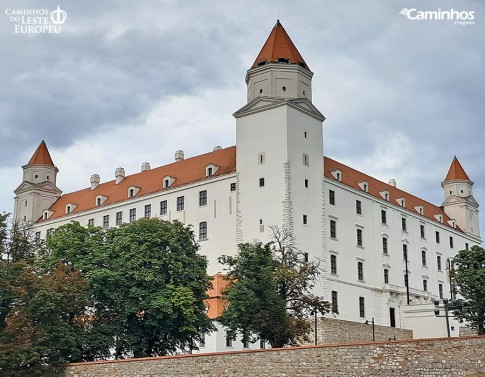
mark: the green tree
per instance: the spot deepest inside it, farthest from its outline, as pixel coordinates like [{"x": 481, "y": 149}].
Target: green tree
[
  {"x": 469, "y": 279},
  {"x": 270, "y": 291},
  {"x": 147, "y": 282}
]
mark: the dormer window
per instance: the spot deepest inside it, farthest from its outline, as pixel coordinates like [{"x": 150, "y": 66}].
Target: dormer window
[
  {"x": 100, "y": 199},
  {"x": 419, "y": 209},
  {"x": 168, "y": 181},
  {"x": 337, "y": 174},
  {"x": 385, "y": 195},
  {"x": 70, "y": 207},
  {"x": 439, "y": 218},
  {"x": 261, "y": 63},
  {"x": 46, "y": 215},
  {"x": 283, "y": 60},
  {"x": 401, "y": 202},
  {"x": 132, "y": 191},
  {"x": 210, "y": 170},
  {"x": 364, "y": 185}
]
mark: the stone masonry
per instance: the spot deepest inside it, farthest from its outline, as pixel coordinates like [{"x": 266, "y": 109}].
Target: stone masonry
[{"x": 417, "y": 358}]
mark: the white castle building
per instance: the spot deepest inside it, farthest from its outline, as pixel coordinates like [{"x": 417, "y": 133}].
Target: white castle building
[{"x": 371, "y": 236}]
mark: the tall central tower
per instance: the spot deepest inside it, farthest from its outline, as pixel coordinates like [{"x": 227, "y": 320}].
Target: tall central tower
[{"x": 279, "y": 138}]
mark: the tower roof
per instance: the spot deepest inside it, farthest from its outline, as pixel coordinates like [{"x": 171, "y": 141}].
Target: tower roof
[
  {"x": 279, "y": 46},
  {"x": 456, "y": 171},
  {"x": 41, "y": 156}
]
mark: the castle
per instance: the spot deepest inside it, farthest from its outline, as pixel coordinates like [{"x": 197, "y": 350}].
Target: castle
[{"x": 380, "y": 246}]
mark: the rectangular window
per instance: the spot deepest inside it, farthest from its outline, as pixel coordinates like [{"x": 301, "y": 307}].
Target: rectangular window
[
  {"x": 421, "y": 227},
  {"x": 233, "y": 187},
  {"x": 203, "y": 198},
  {"x": 466, "y": 246},
  {"x": 119, "y": 218},
  {"x": 359, "y": 237},
  {"x": 132, "y": 215},
  {"x": 148, "y": 210},
  {"x": 106, "y": 222},
  {"x": 180, "y": 203},
  {"x": 229, "y": 338},
  {"x": 49, "y": 232},
  {"x": 91, "y": 222},
  {"x": 360, "y": 271},
  {"x": 425, "y": 285},
  {"x": 37, "y": 236},
  {"x": 438, "y": 262},
  {"x": 306, "y": 160},
  {"x": 358, "y": 207},
  {"x": 163, "y": 207},
  {"x": 261, "y": 182},
  {"x": 440, "y": 290},
  {"x": 305, "y": 219},
  {"x": 403, "y": 224},
  {"x": 451, "y": 242},
  {"x": 362, "y": 307},
  {"x": 386, "y": 276},
  {"x": 306, "y": 183},
  {"x": 261, "y": 158},
  {"x": 405, "y": 252},
  {"x": 334, "y": 302},
  {"x": 203, "y": 230},
  {"x": 305, "y": 257},
  {"x": 333, "y": 264},
  {"x": 437, "y": 237},
  {"x": 384, "y": 245},
  {"x": 423, "y": 257},
  {"x": 383, "y": 216},
  {"x": 333, "y": 229},
  {"x": 331, "y": 197}
]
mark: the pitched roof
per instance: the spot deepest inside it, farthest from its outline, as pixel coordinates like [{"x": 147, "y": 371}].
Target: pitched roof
[
  {"x": 193, "y": 170},
  {"x": 148, "y": 181},
  {"x": 279, "y": 45},
  {"x": 352, "y": 178},
  {"x": 216, "y": 302},
  {"x": 41, "y": 156},
  {"x": 456, "y": 171}
]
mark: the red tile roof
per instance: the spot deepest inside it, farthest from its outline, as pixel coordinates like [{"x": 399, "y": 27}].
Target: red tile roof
[
  {"x": 41, "y": 156},
  {"x": 149, "y": 181},
  {"x": 216, "y": 303},
  {"x": 352, "y": 178},
  {"x": 193, "y": 170},
  {"x": 456, "y": 171},
  {"x": 279, "y": 45}
]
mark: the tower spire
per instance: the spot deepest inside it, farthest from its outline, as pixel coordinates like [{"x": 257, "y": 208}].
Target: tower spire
[
  {"x": 456, "y": 171},
  {"x": 41, "y": 156}
]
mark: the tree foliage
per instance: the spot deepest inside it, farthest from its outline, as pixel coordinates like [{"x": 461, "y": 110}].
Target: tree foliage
[
  {"x": 89, "y": 294},
  {"x": 147, "y": 283},
  {"x": 469, "y": 278},
  {"x": 270, "y": 291}
]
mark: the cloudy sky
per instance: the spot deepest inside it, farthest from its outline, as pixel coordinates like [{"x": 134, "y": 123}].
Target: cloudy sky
[{"x": 127, "y": 82}]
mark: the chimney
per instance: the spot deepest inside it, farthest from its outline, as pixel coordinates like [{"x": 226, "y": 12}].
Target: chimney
[
  {"x": 145, "y": 166},
  {"x": 179, "y": 155},
  {"x": 94, "y": 181},
  {"x": 392, "y": 182},
  {"x": 119, "y": 175},
  {"x": 217, "y": 148}
]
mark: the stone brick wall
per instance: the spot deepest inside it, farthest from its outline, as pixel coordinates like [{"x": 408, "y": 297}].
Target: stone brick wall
[
  {"x": 416, "y": 358},
  {"x": 331, "y": 331}
]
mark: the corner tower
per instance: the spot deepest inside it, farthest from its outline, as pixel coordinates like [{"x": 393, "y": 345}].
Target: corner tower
[
  {"x": 459, "y": 203},
  {"x": 38, "y": 190},
  {"x": 279, "y": 69},
  {"x": 279, "y": 138}
]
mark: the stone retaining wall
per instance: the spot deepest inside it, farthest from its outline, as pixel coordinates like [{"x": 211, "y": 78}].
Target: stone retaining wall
[{"x": 416, "y": 358}]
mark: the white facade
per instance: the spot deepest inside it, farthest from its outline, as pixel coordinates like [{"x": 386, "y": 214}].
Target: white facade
[{"x": 277, "y": 177}]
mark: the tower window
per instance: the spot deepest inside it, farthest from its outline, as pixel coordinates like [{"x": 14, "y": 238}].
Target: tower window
[
  {"x": 425, "y": 285},
  {"x": 423, "y": 257},
  {"x": 359, "y": 237},
  {"x": 305, "y": 219},
  {"x": 360, "y": 271},
  {"x": 386, "y": 276},
  {"x": 333, "y": 264},
  {"x": 358, "y": 207},
  {"x": 284, "y": 90},
  {"x": 306, "y": 160},
  {"x": 260, "y": 91},
  {"x": 306, "y": 183},
  {"x": 283, "y": 60},
  {"x": 438, "y": 262},
  {"x": 261, "y": 182},
  {"x": 384, "y": 245},
  {"x": 331, "y": 197},
  {"x": 362, "y": 307},
  {"x": 333, "y": 229}
]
